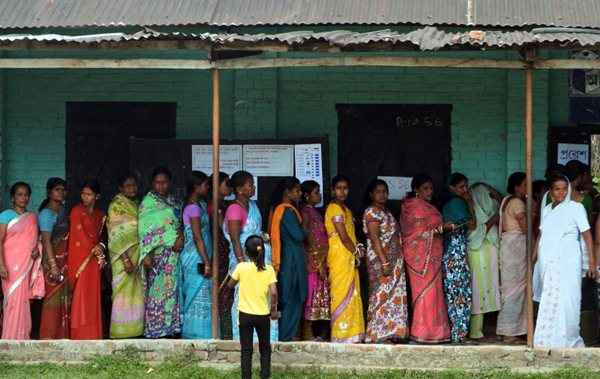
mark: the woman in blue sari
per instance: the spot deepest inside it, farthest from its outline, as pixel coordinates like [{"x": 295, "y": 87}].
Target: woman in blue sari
[
  {"x": 457, "y": 275},
  {"x": 195, "y": 265},
  {"x": 242, "y": 220}
]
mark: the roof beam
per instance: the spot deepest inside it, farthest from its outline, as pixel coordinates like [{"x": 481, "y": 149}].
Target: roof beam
[
  {"x": 253, "y": 63},
  {"x": 258, "y": 63}
]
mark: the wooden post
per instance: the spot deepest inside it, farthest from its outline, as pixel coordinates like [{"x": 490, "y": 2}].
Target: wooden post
[
  {"x": 216, "y": 134},
  {"x": 529, "y": 172}
]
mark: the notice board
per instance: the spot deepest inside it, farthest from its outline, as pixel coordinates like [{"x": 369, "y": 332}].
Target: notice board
[{"x": 269, "y": 160}]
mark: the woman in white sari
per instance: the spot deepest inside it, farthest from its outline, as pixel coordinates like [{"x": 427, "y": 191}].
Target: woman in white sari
[{"x": 557, "y": 280}]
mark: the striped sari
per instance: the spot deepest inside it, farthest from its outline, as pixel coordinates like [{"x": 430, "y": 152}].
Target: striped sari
[
  {"x": 25, "y": 280},
  {"x": 127, "y": 319}
]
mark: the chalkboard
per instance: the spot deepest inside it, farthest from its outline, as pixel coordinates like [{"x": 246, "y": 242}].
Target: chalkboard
[{"x": 176, "y": 155}]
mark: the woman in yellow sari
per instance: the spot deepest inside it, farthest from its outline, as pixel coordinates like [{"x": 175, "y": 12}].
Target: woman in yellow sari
[{"x": 347, "y": 320}]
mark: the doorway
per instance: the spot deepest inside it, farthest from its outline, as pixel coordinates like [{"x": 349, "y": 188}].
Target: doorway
[
  {"x": 392, "y": 140},
  {"x": 98, "y": 135}
]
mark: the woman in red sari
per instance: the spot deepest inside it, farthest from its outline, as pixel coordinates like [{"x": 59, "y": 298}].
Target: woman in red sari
[
  {"x": 86, "y": 259},
  {"x": 54, "y": 229},
  {"x": 422, "y": 230}
]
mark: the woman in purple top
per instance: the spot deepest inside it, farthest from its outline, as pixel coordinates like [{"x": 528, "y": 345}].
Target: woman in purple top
[
  {"x": 316, "y": 310},
  {"x": 195, "y": 262}
]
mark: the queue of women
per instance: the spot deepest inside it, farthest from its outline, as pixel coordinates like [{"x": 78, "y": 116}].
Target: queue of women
[{"x": 433, "y": 273}]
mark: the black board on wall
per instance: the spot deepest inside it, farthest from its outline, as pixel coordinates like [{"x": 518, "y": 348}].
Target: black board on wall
[{"x": 176, "y": 155}]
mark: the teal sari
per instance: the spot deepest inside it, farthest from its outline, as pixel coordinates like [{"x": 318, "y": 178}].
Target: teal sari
[
  {"x": 253, "y": 226},
  {"x": 195, "y": 295}
]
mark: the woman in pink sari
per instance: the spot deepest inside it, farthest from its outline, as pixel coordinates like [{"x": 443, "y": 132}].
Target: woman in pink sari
[
  {"x": 422, "y": 231},
  {"x": 20, "y": 264}
]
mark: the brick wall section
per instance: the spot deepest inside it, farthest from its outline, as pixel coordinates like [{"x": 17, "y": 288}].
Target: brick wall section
[
  {"x": 487, "y": 117},
  {"x": 515, "y": 121},
  {"x": 308, "y": 98},
  {"x": 35, "y": 111},
  {"x": 326, "y": 356},
  {"x": 256, "y": 104}
]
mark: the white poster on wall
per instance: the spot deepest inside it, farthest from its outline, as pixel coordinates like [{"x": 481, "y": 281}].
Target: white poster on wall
[
  {"x": 230, "y": 158},
  {"x": 309, "y": 163},
  {"x": 573, "y": 152},
  {"x": 399, "y": 186},
  {"x": 269, "y": 160}
]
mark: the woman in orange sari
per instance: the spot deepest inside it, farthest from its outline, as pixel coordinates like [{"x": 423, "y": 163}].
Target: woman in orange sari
[
  {"x": 54, "y": 228},
  {"x": 20, "y": 264},
  {"x": 85, "y": 261},
  {"x": 422, "y": 231}
]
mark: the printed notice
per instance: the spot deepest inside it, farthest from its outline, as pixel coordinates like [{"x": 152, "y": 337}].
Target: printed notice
[
  {"x": 399, "y": 186},
  {"x": 230, "y": 158},
  {"x": 309, "y": 163},
  {"x": 269, "y": 160},
  {"x": 573, "y": 152}
]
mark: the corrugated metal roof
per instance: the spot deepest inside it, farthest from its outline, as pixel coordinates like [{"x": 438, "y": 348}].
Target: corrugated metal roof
[
  {"x": 502, "y": 13},
  {"x": 71, "y": 13},
  {"x": 313, "y": 12},
  {"x": 566, "y": 13},
  {"x": 426, "y": 39}
]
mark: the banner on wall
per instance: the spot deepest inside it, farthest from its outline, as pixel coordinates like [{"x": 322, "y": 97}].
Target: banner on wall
[
  {"x": 309, "y": 163},
  {"x": 269, "y": 160},
  {"x": 399, "y": 186},
  {"x": 230, "y": 158},
  {"x": 573, "y": 152}
]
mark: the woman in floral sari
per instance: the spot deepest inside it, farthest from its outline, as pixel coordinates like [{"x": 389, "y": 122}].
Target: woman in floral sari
[
  {"x": 196, "y": 269},
  {"x": 127, "y": 317},
  {"x": 242, "y": 220},
  {"x": 316, "y": 309},
  {"x": 161, "y": 240},
  {"x": 20, "y": 264},
  {"x": 347, "y": 320},
  {"x": 388, "y": 313},
  {"x": 54, "y": 227},
  {"x": 457, "y": 275},
  {"x": 86, "y": 260},
  {"x": 422, "y": 231}
]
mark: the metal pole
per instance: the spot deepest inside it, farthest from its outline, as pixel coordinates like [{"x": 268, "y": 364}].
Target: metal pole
[
  {"x": 529, "y": 169},
  {"x": 216, "y": 133}
]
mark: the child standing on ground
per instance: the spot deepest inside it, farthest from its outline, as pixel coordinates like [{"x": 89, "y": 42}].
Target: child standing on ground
[{"x": 258, "y": 303}]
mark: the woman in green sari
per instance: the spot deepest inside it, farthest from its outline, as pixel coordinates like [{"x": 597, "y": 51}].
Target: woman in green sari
[
  {"x": 127, "y": 318},
  {"x": 161, "y": 241}
]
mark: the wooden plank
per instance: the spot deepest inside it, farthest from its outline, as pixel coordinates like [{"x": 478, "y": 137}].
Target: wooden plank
[
  {"x": 155, "y": 64},
  {"x": 529, "y": 179},
  {"x": 254, "y": 63},
  {"x": 216, "y": 139},
  {"x": 382, "y": 61},
  {"x": 567, "y": 64},
  {"x": 264, "y": 63}
]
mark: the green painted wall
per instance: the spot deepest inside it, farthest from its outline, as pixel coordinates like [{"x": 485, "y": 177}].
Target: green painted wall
[{"x": 487, "y": 119}]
